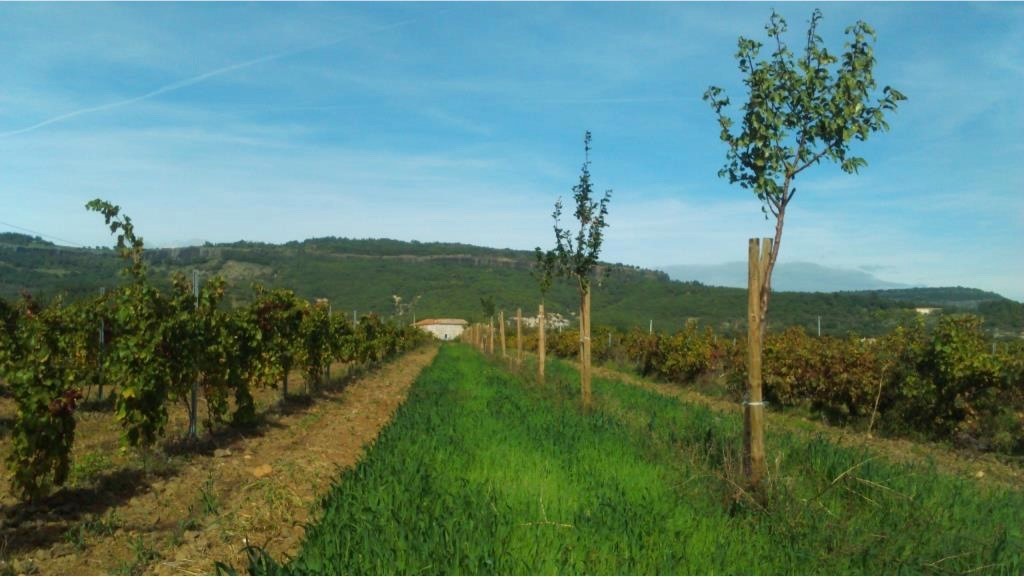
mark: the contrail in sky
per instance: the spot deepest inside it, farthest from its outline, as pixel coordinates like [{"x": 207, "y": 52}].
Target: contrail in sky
[{"x": 193, "y": 80}]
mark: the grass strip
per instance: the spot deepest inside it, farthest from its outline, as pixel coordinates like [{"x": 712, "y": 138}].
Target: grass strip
[{"x": 485, "y": 472}]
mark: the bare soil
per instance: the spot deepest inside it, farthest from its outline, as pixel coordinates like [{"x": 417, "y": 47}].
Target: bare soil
[{"x": 178, "y": 509}]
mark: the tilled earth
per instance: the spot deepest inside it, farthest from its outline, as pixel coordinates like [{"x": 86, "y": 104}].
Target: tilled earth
[{"x": 178, "y": 511}]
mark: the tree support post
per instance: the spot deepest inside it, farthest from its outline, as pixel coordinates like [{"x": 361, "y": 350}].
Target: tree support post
[
  {"x": 490, "y": 336},
  {"x": 519, "y": 337},
  {"x": 501, "y": 332},
  {"x": 331, "y": 357},
  {"x": 193, "y": 407},
  {"x": 585, "y": 347},
  {"x": 753, "y": 406},
  {"x": 102, "y": 346},
  {"x": 540, "y": 344}
]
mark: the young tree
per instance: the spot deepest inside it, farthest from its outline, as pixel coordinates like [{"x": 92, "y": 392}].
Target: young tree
[
  {"x": 799, "y": 112},
  {"x": 403, "y": 307},
  {"x": 488, "y": 306},
  {"x": 543, "y": 272},
  {"x": 577, "y": 258}
]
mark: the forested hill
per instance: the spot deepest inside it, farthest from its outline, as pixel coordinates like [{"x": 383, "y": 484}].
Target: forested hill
[
  {"x": 13, "y": 239},
  {"x": 960, "y": 297},
  {"x": 448, "y": 279}
]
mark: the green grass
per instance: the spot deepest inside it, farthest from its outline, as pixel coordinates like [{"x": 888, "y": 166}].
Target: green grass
[
  {"x": 483, "y": 472},
  {"x": 88, "y": 468}
]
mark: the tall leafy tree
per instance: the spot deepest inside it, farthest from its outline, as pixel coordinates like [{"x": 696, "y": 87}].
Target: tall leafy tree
[
  {"x": 799, "y": 112},
  {"x": 576, "y": 255}
]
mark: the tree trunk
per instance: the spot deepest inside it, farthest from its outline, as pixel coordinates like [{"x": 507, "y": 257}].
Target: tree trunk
[
  {"x": 753, "y": 408},
  {"x": 768, "y": 257},
  {"x": 285, "y": 391},
  {"x": 193, "y": 410},
  {"x": 540, "y": 344},
  {"x": 585, "y": 347}
]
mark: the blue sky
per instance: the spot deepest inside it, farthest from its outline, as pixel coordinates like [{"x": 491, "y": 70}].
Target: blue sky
[{"x": 464, "y": 122}]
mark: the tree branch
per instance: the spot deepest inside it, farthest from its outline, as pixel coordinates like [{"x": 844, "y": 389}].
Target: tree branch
[{"x": 816, "y": 158}]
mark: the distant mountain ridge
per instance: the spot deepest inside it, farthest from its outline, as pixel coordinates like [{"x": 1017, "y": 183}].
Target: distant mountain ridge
[
  {"x": 960, "y": 297},
  {"x": 449, "y": 279},
  {"x": 795, "y": 276},
  {"x": 18, "y": 239}
]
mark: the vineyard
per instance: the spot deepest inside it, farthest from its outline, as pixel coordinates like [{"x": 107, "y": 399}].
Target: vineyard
[
  {"x": 486, "y": 471},
  {"x": 141, "y": 349},
  {"x": 494, "y": 467},
  {"x": 217, "y": 409},
  {"x": 950, "y": 383}
]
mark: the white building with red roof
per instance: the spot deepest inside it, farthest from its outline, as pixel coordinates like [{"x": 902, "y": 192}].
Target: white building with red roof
[{"x": 443, "y": 329}]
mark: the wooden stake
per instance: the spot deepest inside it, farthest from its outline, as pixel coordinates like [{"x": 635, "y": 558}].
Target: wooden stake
[
  {"x": 501, "y": 332},
  {"x": 540, "y": 344},
  {"x": 519, "y": 336},
  {"x": 490, "y": 336},
  {"x": 579, "y": 315},
  {"x": 753, "y": 408},
  {"x": 585, "y": 348}
]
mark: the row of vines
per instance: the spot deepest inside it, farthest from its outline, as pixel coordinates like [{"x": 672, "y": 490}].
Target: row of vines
[
  {"x": 947, "y": 383},
  {"x": 152, "y": 348}
]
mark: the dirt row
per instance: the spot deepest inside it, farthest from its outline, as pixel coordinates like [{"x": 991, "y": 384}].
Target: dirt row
[{"x": 177, "y": 511}]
